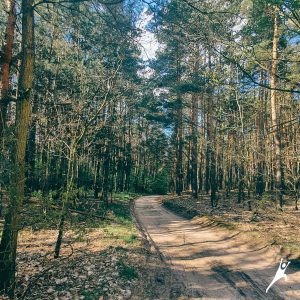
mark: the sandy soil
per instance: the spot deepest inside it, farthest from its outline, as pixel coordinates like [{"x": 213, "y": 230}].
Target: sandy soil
[{"x": 212, "y": 262}]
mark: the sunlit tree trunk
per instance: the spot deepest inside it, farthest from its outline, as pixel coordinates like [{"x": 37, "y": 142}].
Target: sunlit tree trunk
[
  {"x": 211, "y": 150},
  {"x": 195, "y": 145},
  {"x": 194, "y": 179},
  {"x": 179, "y": 134},
  {"x": 260, "y": 141},
  {"x": 7, "y": 52},
  {"x": 275, "y": 127},
  {"x": 211, "y": 180},
  {"x": 8, "y": 245}
]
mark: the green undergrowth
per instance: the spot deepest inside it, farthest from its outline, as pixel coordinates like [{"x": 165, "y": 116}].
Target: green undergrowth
[
  {"x": 118, "y": 223},
  {"x": 126, "y": 271},
  {"x": 39, "y": 214},
  {"x": 115, "y": 220},
  {"x": 107, "y": 252}
]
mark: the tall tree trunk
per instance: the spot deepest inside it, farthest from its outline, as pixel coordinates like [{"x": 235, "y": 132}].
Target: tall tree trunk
[
  {"x": 179, "y": 142},
  {"x": 8, "y": 245},
  {"x": 179, "y": 134},
  {"x": 261, "y": 153},
  {"x": 211, "y": 150},
  {"x": 31, "y": 156},
  {"x": 211, "y": 142},
  {"x": 128, "y": 165},
  {"x": 275, "y": 127},
  {"x": 6, "y": 60},
  {"x": 96, "y": 180},
  {"x": 195, "y": 135},
  {"x": 106, "y": 169},
  {"x": 207, "y": 158},
  {"x": 195, "y": 145},
  {"x": 188, "y": 165},
  {"x": 241, "y": 184}
]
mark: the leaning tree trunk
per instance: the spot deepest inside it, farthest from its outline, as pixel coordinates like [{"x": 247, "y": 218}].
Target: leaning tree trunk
[
  {"x": 7, "y": 52},
  {"x": 275, "y": 127},
  {"x": 12, "y": 219}
]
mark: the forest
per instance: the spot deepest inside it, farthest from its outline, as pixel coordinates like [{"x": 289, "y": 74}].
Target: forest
[{"x": 106, "y": 101}]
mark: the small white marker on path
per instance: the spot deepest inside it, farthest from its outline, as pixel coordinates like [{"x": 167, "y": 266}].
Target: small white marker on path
[{"x": 280, "y": 273}]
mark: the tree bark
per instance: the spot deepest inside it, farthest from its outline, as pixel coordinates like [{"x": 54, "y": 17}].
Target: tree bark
[
  {"x": 211, "y": 164},
  {"x": 179, "y": 134},
  {"x": 195, "y": 98},
  {"x": 260, "y": 184},
  {"x": 211, "y": 167},
  {"x": 106, "y": 172},
  {"x": 8, "y": 245},
  {"x": 70, "y": 181},
  {"x": 275, "y": 127},
  {"x": 6, "y": 61}
]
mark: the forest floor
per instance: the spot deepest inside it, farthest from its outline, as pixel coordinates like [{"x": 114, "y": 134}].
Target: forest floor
[
  {"x": 100, "y": 259},
  {"x": 219, "y": 255},
  {"x": 147, "y": 252},
  {"x": 279, "y": 228}
]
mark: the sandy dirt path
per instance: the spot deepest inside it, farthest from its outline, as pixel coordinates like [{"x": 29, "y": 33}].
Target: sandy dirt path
[{"x": 214, "y": 263}]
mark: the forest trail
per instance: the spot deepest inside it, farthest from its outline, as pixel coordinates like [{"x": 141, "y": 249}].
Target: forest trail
[{"x": 212, "y": 262}]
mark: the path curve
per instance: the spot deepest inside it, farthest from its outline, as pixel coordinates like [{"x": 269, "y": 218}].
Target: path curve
[{"x": 211, "y": 262}]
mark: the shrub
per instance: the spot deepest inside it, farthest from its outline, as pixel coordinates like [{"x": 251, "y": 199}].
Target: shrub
[{"x": 159, "y": 185}]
